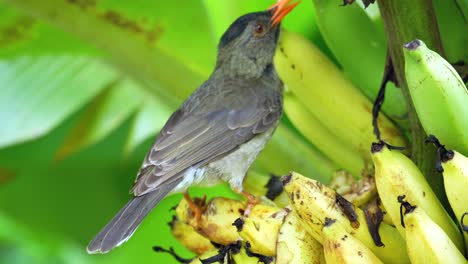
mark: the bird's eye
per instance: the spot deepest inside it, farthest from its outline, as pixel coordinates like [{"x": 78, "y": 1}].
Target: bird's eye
[{"x": 259, "y": 30}]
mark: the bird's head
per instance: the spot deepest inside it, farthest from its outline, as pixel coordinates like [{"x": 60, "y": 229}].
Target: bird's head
[{"x": 249, "y": 44}]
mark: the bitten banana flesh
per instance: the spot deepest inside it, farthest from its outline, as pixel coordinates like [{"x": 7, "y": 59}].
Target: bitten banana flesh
[{"x": 295, "y": 245}]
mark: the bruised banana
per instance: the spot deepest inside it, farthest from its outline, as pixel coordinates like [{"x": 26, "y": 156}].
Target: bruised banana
[
  {"x": 189, "y": 238},
  {"x": 330, "y": 97},
  {"x": 216, "y": 221},
  {"x": 455, "y": 172},
  {"x": 439, "y": 95},
  {"x": 341, "y": 247},
  {"x": 295, "y": 245},
  {"x": 397, "y": 175},
  {"x": 426, "y": 242},
  {"x": 312, "y": 129},
  {"x": 313, "y": 202},
  {"x": 261, "y": 230}
]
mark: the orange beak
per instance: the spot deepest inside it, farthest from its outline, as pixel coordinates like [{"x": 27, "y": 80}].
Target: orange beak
[{"x": 281, "y": 9}]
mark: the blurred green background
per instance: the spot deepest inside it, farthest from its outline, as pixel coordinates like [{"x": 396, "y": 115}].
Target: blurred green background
[{"x": 85, "y": 85}]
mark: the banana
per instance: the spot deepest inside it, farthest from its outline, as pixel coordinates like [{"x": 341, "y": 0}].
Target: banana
[
  {"x": 397, "y": 175},
  {"x": 295, "y": 245},
  {"x": 313, "y": 202},
  {"x": 426, "y": 242},
  {"x": 439, "y": 95},
  {"x": 189, "y": 238},
  {"x": 329, "y": 96},
  {"x": 455, "y": 172},
  {"x": 261, "y": 230},
  {"x": 341, "y": 247},
  {"x": 312, "y": 129},
  {"x": 363, "y": 42},
  {"x": 216, "y": 221}
]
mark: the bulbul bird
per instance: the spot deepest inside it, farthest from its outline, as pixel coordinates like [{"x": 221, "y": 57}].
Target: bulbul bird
[{"x": 217, "y": 132}]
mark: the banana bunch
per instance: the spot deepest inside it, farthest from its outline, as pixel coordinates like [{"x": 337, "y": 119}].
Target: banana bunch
[
  {"x": 362, "y": 202},
  {"x": 326, "y": 107}
]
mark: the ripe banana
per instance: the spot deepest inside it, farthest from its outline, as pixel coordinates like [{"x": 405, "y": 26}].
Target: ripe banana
[
  {"x": 341, "y": 247},
  {"x": 261, "y": 229},
  {"x": 334, "y": 101},
  {"x": 426, "y": 242},
  {"x": 312, "y": 129},
  {"x": 455, "y": 172},
  {"x": 295, "y": 245},
  {"x": 313, "y": 202},
  {"x": 216, "y": 221},
  {"x": 439, "y": 95},
  {"x": 396, "y": 175},
  {"x": 189, "y": 238}
]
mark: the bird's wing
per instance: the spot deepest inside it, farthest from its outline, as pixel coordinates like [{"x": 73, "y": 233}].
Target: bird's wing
[{"x": 209, "y": 125}]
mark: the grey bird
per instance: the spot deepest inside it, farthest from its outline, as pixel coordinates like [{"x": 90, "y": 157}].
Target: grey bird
[{"x": 218, "y": 131}]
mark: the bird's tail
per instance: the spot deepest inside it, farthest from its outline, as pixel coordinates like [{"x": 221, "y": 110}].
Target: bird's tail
[{"x": 124, "y": 224}]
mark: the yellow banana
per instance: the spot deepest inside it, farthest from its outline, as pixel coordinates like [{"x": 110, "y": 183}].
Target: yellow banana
[
  {"x": 439, "y": 95},
  {"x": 455, "y": 171},
  {"x": 189, "y": 238},
  {"x": 312, "y": 129},
  {"x": 216, "y": 221},
  {"x": 341, "y": 247},
  {"x": 295, "y": 245},
  {"x": 396, "y": 175},
  {"x": 261, "y": 230},
  {"x": 313, "y": 202},
  {"x": 426, "y": 242},
  {"x": 333, "y": 100}
]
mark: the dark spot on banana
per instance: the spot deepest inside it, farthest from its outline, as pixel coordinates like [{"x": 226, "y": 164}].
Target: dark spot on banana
[
  {"x": 286, "y": 179},
  {"x": 239, "y": 224},
  {"x": 298, "y": 194},
  {"x": 293, "y": 66},
  {"x": 347, "y": 208},
  {"x": 374, "y": 217}
]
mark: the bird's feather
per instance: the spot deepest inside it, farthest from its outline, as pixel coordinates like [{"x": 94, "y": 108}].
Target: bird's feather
[{"x": 209, "y": 125}]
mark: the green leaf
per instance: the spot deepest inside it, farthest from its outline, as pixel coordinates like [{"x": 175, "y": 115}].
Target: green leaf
[
  {"x": 107, "y": 112},
  {"x": 39, "y": 92},
  {"x": 150, "y": 118}
]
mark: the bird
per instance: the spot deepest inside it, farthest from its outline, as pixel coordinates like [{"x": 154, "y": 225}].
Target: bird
[{"x": 217, "y": 133}]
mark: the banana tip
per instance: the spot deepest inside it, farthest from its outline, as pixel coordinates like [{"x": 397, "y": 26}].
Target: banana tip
[
  {"x": 377, "y": 147},
  {"x": 413, "y": 44},
  {"x": 286, "y": 179}
]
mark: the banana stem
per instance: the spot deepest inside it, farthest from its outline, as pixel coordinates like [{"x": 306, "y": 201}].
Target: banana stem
[{"x": 405, "y": 21}]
